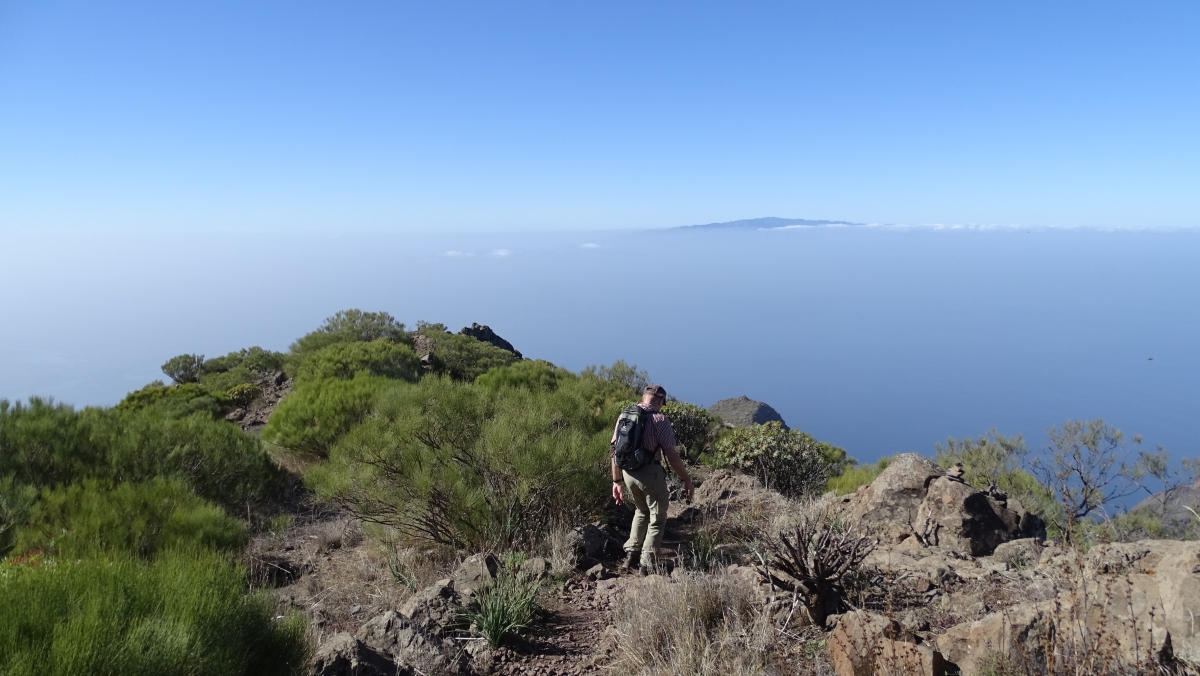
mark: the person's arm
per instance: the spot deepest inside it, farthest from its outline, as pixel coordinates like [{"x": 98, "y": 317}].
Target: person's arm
[
  {"x": 618, "y": 492},
  {"x": 676, "y": 464}
]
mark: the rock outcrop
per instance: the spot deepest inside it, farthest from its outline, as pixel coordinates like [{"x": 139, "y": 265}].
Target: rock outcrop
[
  {"x": 743, "y": 412},
  {"x": 913, "y": 498},
  {"x": 487, "y": 335}
]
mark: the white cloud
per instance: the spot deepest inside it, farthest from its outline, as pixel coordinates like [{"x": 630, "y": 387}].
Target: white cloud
[
  {"x": 501, "y": 253},
  {"x": 590, "y": 245}
]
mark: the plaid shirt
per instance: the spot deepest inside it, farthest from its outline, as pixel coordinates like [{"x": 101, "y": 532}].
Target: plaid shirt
[{"x": 658, "y": 434}]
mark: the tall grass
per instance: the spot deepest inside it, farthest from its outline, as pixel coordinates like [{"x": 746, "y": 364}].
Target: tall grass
[
  {"x": 505, "y": 608},
  {"x": 697, "y": 624},
  {"x": 183, "y": 614}
]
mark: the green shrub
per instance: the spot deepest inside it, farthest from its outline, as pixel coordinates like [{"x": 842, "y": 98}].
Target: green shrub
[
  {"x": 143, "y": 519},
  {"x": 472, "y": 467},
  {"x": 184, "y": 614},
  {"x": 625, "y": 376},
  {"x": 695, "y": 428},
  {"x": 462, "y": 357},
  {"x": 504, "y": 608},
  {"x": 318, "y": 412},
  {"x": 222, "y": 381},
  {"x": 346, "y": 360},
  {"x": 184, "y": 368},
  {"x": 16, "y": 501},
  {"x": 789, "y": 461},
  {"x": 178, "y": 401},
  {"x": 853, "y": 477},
  {"x": 254, "y": 359},
  {"x": 243, "y": 395},
  {"x": 46, "y": 446},
  {"x": 352, "y": 326},
  {"x": 215, "y": 459},
  {"x": 537, "y": 376}
]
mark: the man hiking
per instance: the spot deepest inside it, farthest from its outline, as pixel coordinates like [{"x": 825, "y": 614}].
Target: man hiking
[{"x": 641, "y": 438}]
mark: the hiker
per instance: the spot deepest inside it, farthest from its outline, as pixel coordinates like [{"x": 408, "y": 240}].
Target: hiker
[{"x": 641, "y": 438}]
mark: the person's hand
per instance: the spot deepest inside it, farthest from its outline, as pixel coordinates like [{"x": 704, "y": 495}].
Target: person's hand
[
  {"x": 691, "y": 491},
  {"x": 618, "y": 493}
]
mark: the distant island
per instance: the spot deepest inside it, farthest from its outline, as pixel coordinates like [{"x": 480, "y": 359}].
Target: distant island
[{"x": 767, "y": 223}]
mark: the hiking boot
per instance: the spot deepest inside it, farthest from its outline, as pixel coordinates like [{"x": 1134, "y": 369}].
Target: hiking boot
[
  {"x": 631, "y": 559},
  {"x": 646, "y": 571}
]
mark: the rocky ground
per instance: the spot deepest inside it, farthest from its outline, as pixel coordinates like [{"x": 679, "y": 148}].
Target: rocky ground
[{"x": 960, "y": 581}]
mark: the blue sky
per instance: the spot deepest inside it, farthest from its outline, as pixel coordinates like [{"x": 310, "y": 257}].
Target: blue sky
[{"x": 402, "y": 116}]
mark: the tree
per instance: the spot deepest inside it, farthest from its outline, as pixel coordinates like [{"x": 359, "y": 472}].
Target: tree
[
  {"x": 1085, "y": 468},
  {"x": 184, "y": 368},
  {"x": 1157, "y": 466}
]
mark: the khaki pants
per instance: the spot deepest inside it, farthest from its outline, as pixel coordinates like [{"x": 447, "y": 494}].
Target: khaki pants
[{"x": 647, "y": 489}]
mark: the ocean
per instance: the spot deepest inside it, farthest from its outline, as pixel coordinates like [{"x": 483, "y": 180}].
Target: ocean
[{"x": 877, "y": 339}]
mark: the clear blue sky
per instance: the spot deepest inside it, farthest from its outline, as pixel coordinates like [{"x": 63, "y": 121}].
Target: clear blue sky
[{"x": 575, "y": 115}]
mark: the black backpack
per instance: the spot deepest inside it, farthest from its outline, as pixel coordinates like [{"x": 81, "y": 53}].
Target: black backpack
[{"x": 627, "y": 449}]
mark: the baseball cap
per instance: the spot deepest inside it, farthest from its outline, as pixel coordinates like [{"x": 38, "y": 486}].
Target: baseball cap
[{"x": 656, "y": 390}]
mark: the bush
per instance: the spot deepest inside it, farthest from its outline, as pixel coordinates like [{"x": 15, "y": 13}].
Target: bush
[
  {"x": 536, "y": 376},
  {"x": 184, "y": 368},
  {"x": 463, "y": 465},
  {"x": 16, "y": 501},
  {"x": 351, "y": 326},
  {"x": 182, "y": 614},
  {"x": 215, "y": 459},
  {"x": 142, "y": 519},
  {"x": 695, "y": 428},
  {"x": 244, "y": 395},
  {"x": 789, "y": 461},
  {"x": 627, "y": 376},
  {"x": 256, "y": 360},
  {"x": 223, "y": 381},
  {"x": 346, "y": 360},
  {"x": 46, "y": 446},
  {"x": 178, "y": 401},
  {"x": 462, "y": 357},
  {"x": 318, "y": 412}
]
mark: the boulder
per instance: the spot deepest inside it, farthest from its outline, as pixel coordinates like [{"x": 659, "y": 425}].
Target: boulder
[
  {"x": 477, "y": 571},
  {"x": 901, "y": 658},
  {"x": 888, "y": 507},
  {"x": 1019, "y": 633},
  {"x": 960, "y": 518},
  {"x": 743, "y": 412},
  {"x": 412, "y": 650},
  {"x": 869, "y": 644},
  {"x": 1019, "y": 554},
  {"x": 436, "y": 609},
  {"x": 535, "y": 568},
  {"x": 732, "y": 490},
  {"x": 589, "y": 542},
  {"x": 487, "y": 335},
  {"x": 344, "y": 655},
  {"x": 1174, "y": 567},
  {"x": 1102, "y": 621}
]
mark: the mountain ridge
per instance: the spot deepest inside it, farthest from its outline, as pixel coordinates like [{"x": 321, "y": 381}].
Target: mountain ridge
[{"x": 765, "y": 223}]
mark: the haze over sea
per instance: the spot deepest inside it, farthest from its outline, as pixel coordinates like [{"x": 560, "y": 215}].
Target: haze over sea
[{"x": 877, "y": 339}]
